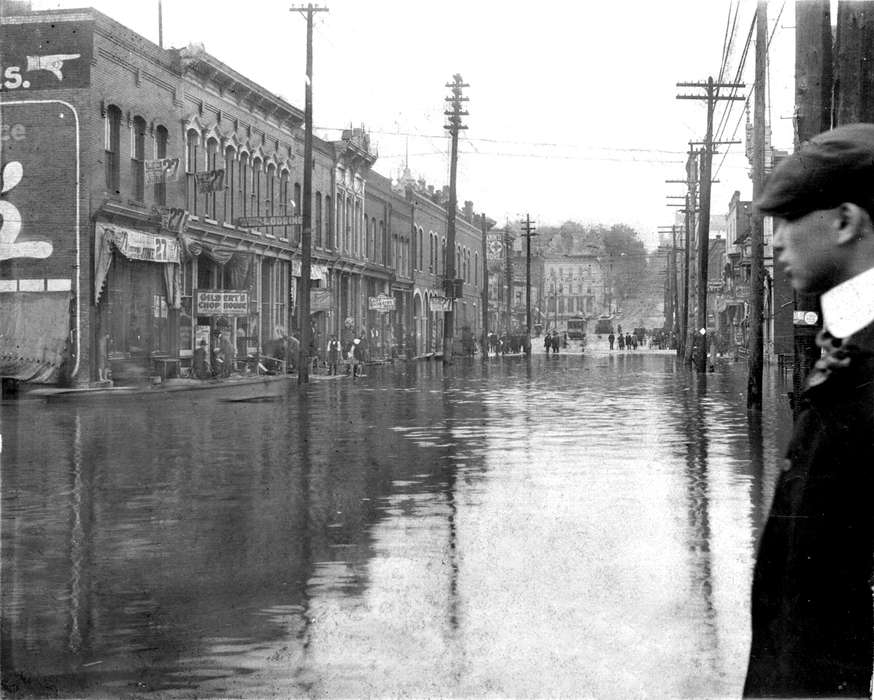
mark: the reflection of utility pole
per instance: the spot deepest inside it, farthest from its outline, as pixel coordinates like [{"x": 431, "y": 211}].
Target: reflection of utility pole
[
  {"x": 303, "y": 353},
  {"x": 454, "y": 115},
  {"x": 712, "y": 96}
]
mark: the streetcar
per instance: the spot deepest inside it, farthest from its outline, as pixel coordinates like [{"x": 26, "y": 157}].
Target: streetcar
[
  {"x": 576, "y": 327},
  {"x": 604, "y": 325}
]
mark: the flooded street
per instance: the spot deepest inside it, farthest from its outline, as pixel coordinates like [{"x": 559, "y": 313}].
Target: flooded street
[{"x": 573, "y": 526}]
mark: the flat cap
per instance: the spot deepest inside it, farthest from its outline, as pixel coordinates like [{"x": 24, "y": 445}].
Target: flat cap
[{"x": 834, "y": 167}]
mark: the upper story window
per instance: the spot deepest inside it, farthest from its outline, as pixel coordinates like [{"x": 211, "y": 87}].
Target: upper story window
[
  {"x": 138, "y": 157},
  {"x": 319, "y": 221},
  {"x": 161, "y": 137},
  {"x": 192, "y": 148},
  {"x": 112, "y": 148}
]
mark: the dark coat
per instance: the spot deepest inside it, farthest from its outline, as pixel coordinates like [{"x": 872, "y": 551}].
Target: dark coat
[{"x": 811, "y": 599}]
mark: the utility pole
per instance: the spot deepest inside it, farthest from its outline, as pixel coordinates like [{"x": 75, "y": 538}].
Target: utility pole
[
  {"x": 303, "y": 297},
  {"x": 454, "y": 115},
  {"x": 160, "y": 26},
  {"x": 529, "y": 231},
  {"x": 757, "y": 222},
  {"x": 484, "y": 347},
  {"x": 712, "y": 95},
  {"x": 814, "y": 78}
]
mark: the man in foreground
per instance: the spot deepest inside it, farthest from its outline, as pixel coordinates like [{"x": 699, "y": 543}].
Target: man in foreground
[{"x": 811, "y": 598}]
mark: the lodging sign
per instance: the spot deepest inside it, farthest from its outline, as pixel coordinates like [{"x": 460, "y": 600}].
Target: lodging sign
[
  {"x": 45, "y": 56},
  {"x": 227, "y": 302},
  {"x": 383, "y": 303}
]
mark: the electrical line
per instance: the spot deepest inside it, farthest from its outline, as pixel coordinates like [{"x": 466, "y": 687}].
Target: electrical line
[{"x": 749, "y": 97}]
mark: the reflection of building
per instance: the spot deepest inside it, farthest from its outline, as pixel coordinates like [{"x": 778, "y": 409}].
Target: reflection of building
[{"x": 167, "y": 211}]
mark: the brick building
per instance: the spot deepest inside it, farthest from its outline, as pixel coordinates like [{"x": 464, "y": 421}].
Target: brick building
[{"x": 152, "y": 200}]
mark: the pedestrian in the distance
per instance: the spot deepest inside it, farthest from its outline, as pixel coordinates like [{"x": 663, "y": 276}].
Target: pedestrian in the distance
[
  {"x": 628, "y": 341},
  {"x": 621, "y": 341},
  {"x": 547, "y": 342},
  {"x": 811, "y": 598},
  {"x": 611, "y": 339},
  {"x": 333, "y": 355}
]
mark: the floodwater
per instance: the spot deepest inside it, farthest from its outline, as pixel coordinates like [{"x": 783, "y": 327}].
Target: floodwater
[{"x": 574, "y": 526}]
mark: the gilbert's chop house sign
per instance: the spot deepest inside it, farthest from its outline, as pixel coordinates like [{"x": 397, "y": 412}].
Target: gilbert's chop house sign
[{"x": 227, "y": 302}]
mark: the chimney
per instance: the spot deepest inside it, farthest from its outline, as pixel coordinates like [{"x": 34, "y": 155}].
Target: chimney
[{"x": 468, "y": 211}]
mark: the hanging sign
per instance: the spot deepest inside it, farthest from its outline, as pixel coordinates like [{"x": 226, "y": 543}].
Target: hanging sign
[
  {"x": 161, "y": 170},
  {"x": 210, "y": 181},
  {"x": 268, "y": 221},
  {"x": 382, "y": 303},
  {"x": 440, "y": 304},
  {"x": 225, "y": 302},
  {"x": 138, "y": 245}
]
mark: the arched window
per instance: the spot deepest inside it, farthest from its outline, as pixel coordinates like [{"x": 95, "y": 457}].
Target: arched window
[
  {"x": 257, "y": 195},
  {"x": 329, "y": 218},
  {"x": 161, "y": 137},
  {"x": 318, "y": 221},
  {"x": 243, "y": 186},
  {"x": 112, "y": 147},
  {"x": 192, "y": 146},
  {"x": 421, "y": 249},
  {"x": 476, "y": 269},
  {"x": 284, "y": 205},
  {"x": 271, "y": 208},
  {"x": 230, "y": 184},
  {"x": 382, "y": 243},
  {"x": 442, "y": 269},
  {"x": 212, "y": 154},
  {"x": 138, "y": 157}
]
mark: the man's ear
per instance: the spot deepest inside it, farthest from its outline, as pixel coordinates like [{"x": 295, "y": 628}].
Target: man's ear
[{"x": 852, "y": 222}]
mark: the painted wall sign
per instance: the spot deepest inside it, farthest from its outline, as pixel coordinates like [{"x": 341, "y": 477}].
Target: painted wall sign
[
  {"x": 227, "y": 302},
  {"x": 45, "y": 56},
  {"x": 39, "y": 192}
]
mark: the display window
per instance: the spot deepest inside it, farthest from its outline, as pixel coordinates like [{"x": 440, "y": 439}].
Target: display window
[{"x": 137, "y": 316}]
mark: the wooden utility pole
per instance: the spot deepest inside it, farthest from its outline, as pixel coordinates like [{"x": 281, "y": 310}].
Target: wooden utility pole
[
  {"x": 684, "y": 345},
  {"x": 450, "y": 284},
  {"x": 813, "y": 115},
  {"x": 306, "y": 238},
  {"x": 755, "y": 349},
  {"x": 529, "y": 231},
  {"x": 854, "y": 63},
  {"x": 711, "y": 95},
  {"x": 484, "y": 347}
]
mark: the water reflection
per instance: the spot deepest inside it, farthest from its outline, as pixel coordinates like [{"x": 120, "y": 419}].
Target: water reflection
[{"x": 572, "y": 526}]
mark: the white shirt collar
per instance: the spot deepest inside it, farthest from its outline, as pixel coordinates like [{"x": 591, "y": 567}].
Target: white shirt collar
[{"x": 849, "y": 307}]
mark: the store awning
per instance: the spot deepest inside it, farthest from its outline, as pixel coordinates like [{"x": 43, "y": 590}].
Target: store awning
[
  {"x": 34, "y": 328},
  {"x": 137, "y": 245}
]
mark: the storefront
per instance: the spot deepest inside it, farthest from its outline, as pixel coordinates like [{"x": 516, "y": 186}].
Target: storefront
[{"x": 137, "y": 290}]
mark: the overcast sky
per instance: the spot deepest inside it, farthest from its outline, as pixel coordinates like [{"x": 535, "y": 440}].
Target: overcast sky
[{"x": 573, "y": 109}]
